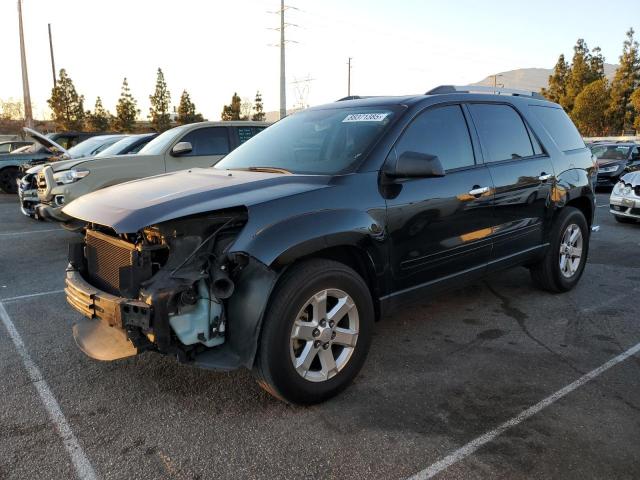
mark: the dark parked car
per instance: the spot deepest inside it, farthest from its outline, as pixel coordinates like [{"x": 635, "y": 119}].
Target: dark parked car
[
  {"x": 105, "y": 146},
  {"x": 281, "y": 256},
  {"x": 614, "y": 160},
  {"x": 40, "y": 151}
]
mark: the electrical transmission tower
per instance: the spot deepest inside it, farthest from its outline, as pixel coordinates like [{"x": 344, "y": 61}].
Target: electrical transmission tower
[
  {"x": 283, "y": 42},
  {"x": 302, "y": 87}
]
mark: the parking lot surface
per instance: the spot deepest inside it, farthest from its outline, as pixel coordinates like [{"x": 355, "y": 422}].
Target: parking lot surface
[{"x": 439, "y": 375}]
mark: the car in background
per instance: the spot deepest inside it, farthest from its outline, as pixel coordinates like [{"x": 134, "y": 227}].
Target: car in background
[
  {"x": 200, "y": 144},
  {"x": 624, "y": 202},
  {"x": 128, "y": 145},
  {"x": 27, "y": 187},
  {"x": 44, "y": 147},
  {"x": 614, "y": 160},
  {"x": 11, "y": 145}
]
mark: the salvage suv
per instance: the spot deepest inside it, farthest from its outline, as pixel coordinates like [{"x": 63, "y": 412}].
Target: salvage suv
[
  {"x": 194, "y": 145},
  {"x": 280, "y": 258}
]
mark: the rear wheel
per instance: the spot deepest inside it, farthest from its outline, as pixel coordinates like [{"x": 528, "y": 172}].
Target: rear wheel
[
  {"x": 316, "y": 332},
  {"x": 9, "y": 179},
  {"x": 562, "y": 266}
]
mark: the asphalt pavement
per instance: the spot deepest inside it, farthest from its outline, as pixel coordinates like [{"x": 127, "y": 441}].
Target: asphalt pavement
[{"x": 440, "y": 376}]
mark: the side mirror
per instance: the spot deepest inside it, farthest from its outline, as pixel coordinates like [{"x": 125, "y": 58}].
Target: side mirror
[
  {"x": 416, "y": 165},
  {"x": 181, "y": 148}
]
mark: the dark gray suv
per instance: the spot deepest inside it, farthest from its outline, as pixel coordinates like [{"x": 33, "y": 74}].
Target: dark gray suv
[{"x": 281, "y": 257}]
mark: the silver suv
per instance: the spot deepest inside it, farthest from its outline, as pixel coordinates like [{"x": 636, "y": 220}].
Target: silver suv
[{"x": 195, "y": 145}]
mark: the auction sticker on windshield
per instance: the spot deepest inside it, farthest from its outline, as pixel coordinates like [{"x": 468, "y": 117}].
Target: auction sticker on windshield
[{"x": 365, "y": 117}]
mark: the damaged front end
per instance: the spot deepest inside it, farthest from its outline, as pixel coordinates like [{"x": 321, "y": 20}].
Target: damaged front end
[{"x": 173, "y": 288}]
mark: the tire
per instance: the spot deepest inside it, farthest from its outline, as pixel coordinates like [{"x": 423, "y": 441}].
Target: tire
[
  {"x": 287, "y": 317},
  {"x": 548, "y": 273},
  {"x": 8, "y": 180},
  {"x": 623, "y": 219}
]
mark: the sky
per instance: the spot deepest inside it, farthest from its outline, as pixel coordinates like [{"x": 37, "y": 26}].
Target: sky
[{"x": 213, "y": 48}]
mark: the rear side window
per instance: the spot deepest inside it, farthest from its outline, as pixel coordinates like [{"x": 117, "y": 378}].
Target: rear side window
[
  {"x": 207, "y": 141},
  {"x": 502, "y": 132},
  {"x": 559, "y": 126},
  {"x": 245, "y": 133},
  {"x": 442, "y": 132}
]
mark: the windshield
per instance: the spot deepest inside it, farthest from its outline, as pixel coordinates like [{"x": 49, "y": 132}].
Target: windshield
[
  {"x": 327, "y": 141},
  {"x": 611, "y": 152},
  {"x": 92, "y": 146},
  {"x": 159, "y": 144},
  {"x": 121, "y": 146}
]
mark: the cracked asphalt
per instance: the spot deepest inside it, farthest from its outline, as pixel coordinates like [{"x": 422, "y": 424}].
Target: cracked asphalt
[{"x": 439, "y": 375}]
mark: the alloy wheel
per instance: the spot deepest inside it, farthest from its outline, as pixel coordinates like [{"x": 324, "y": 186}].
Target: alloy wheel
[
  {"x": 570, "y": 251},
  {"x": 324, "y": 335}
]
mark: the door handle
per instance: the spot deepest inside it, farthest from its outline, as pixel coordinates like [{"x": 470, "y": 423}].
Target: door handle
[
  {"x": 477, "y": 191},
  {"x": 545, "y": 176}
]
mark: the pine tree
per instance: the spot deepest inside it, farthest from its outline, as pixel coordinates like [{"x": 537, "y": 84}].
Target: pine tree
[
  {"x": 160, "y": 101},
  {"x": 232, "y": 111},
  {"x": 585, "y": 68},
  {"x": 187, "y": 110},
  {"x": 596, "y": 64},
  {"x": 126, "y": 110},
  {"x": 258, "y": 108},
  {"x": 625, "y": 81},
  {"x": 590, "y": 108},
  {"x": 635, "y": 104},
  {"x": 66, "y": 105},
  {"x": 557, "y": 89},
  {"x": 99, "y": 119}
]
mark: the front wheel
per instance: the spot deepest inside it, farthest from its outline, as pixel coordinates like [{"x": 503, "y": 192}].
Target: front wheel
[
  {"x": 562, "y": 266},
  {"x": 316, "y": 332}
]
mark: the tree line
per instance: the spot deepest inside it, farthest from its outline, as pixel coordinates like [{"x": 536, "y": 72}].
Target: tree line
[
  {"x": 68, "y": 113},
  {"x": 597, "y": 106}
]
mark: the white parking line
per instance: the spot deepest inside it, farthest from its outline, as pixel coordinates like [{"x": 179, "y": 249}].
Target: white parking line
[
  {"x": 30, "y": 295},
  {"x": 474, "y": 445},
  {"x": 601, "y": 206},
  {"x": 81, "y": 463},
  {"x": 31, "y": 232}
]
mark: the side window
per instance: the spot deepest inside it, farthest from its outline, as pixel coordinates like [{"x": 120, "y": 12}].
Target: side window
[
  {"x": 443, "y": 132},
  {"x": 502, "y": 132},
  {"x": 207, "y": 141},
  {"x": 245, "y": 133},
  {"x": 559, "y": 126}
]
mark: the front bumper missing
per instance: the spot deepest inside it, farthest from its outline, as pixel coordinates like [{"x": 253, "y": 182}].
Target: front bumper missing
[{"x": 101, "y": 334}]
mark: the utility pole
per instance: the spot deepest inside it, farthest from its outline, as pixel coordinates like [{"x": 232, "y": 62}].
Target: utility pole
[
  {"x": 349, "y": 78},
  {"x": 283, "y": 86},
  {"x": 28, "y": 116},
  {"x": 53, "y": 63},
  {"x": 495, "y": 82}
]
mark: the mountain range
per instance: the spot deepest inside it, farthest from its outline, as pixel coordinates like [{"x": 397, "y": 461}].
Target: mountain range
[{"x": 532, "y": 79}]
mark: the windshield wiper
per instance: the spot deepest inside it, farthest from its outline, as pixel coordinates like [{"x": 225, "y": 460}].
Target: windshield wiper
[{"x": 264, "y": 169}]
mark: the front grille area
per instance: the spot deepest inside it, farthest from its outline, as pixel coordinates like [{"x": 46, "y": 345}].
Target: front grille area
[{"x": 109, "y": 260}]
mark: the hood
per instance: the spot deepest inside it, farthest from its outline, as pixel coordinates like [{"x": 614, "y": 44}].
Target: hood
[
  {"x": 46, "y": 141},
  {"x": 632, "y": 179},
  {"x": 130, "y": 206},
  {"x": 60, "y": 165}
]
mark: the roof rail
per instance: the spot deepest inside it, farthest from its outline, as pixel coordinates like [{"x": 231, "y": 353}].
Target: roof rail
[
  {"x": 350, "y": 97},
  {"x": 442, "y": 89}
]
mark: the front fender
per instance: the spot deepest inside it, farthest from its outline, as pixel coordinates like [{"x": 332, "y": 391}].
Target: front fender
[{"x": 281, "y": 243}]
